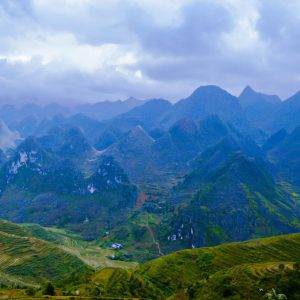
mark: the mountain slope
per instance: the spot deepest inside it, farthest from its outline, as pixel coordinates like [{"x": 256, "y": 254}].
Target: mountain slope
[
  {"x": 249, "y": 97},
  {"x": 259, "y": 108},
  {"x": 161, "y": 160},
  {"x": 237, "y": 201},
  {"x": 146, "y": 115},
  {"x": 288, "y": 115},
  {"x": 205, "y": 101},
  {"x": 108, "y": 109},
  {"x": 285, "y": 154},
  {"x": 39, "y": 185},
  {"x": 8, "y": 138},
  {"x": 181, "y": 269}
]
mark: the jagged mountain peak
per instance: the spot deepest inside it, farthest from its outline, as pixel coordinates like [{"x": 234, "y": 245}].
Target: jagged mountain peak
[{"x": 250, "y": 96}]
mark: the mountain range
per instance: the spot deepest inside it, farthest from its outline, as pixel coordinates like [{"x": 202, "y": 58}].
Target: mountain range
[{"x": 148, "y": 177}]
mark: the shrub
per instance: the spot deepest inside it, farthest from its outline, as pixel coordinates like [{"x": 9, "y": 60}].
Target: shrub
[{"x": 49, "y": 289}]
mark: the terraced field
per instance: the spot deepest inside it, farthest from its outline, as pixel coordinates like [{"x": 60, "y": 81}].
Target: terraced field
[
  {"x": 27, "y": 260},
  {"x": 238, "y": 265},
  {"x": 89, "y": 252},
  {"x": 31, "y": 255},
  {"x": 172, "y": 268}
]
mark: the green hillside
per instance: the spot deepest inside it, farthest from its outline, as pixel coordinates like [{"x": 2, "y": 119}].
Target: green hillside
[
  {"x": 245, "y": 270},
  {"x": 238, "y": 201},
  {"x": 32, "y": 255},
  {"x": 30, "y": 261}
]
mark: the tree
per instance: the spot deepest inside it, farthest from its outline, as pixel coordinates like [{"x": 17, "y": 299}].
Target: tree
[
  {"x": 281, "y": 267},
  {"x": 49, "y": 289}
]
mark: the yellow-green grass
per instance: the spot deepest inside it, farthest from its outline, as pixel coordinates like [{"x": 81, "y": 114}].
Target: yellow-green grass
[
  {"x": 181, "y": 268},
  {"x": 89, "y": 252},
  {"x": 32, "y": 261},
  {"x": 30, "y": 255}
]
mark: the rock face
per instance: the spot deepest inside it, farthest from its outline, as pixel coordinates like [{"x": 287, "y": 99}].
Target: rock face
[
  {"x": 42, "y": 183},
  {"x": 8, "y": 138}
]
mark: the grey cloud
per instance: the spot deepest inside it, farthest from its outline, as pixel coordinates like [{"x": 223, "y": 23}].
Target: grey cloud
[{"x": 173, "y": 58}]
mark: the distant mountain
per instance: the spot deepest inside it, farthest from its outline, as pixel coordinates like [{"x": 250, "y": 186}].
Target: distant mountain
[
  {"x": 8, "y": 138},
  {"x": 108, "y": 109},
  {"x": 259, "y": 108},
  {"x": 70, "y": 143},
  {"x": 237, "y": 201},
  {"x": 205, "y": 101},
  {"x": 213, "y": 158},
  {"x": 147, "y": 115},
  {"x": 186, "y": 138},
  {"x": 134, "y": 153},
  {"x": 285, "y": 155},
  {"x": 31, "y": 118},
  {"x": 107, "y": 137},
  {"x": 91, "y": 128},
  {"x": 274, "y": 140},
  {"x": 288, "y": 115},
  {"x": 3, "y": 157},
  {"x": 47, "y": 182},
  {"x": 249, "y": 97},
  {"x": 169, "y": 156},
  {"x": 211, "y": 100}
]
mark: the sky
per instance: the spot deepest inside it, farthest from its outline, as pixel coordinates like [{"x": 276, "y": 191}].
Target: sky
[{"x": 91, "y": 50}]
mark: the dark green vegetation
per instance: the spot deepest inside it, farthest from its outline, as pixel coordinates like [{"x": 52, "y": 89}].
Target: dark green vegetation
[
  {"x": 247, "y": 270},
  {"x": 237, "y": 201},
  {"x": 51, "y": 181}
]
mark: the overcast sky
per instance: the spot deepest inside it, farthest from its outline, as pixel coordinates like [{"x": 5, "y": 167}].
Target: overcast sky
[{"x": 92, "y": 50}]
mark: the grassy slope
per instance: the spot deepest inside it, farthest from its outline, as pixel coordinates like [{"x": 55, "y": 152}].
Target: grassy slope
[
  {"x": 182, "y": 268},
  {"x": 90, "y": 253},
  {"x": 27, "y": 260},
  {"x": 31, "y": 254}
]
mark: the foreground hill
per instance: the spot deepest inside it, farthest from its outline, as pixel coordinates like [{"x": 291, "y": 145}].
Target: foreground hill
[
  {"x": 32, "y": 255},
  {"x": 190, "y": 266},
  {"x": 27, "y": 260},
  {"x": 246, "y": 270}
]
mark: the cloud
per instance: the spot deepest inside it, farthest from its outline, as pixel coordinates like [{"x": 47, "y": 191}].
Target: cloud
[{"x": 88, "y": 50}]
